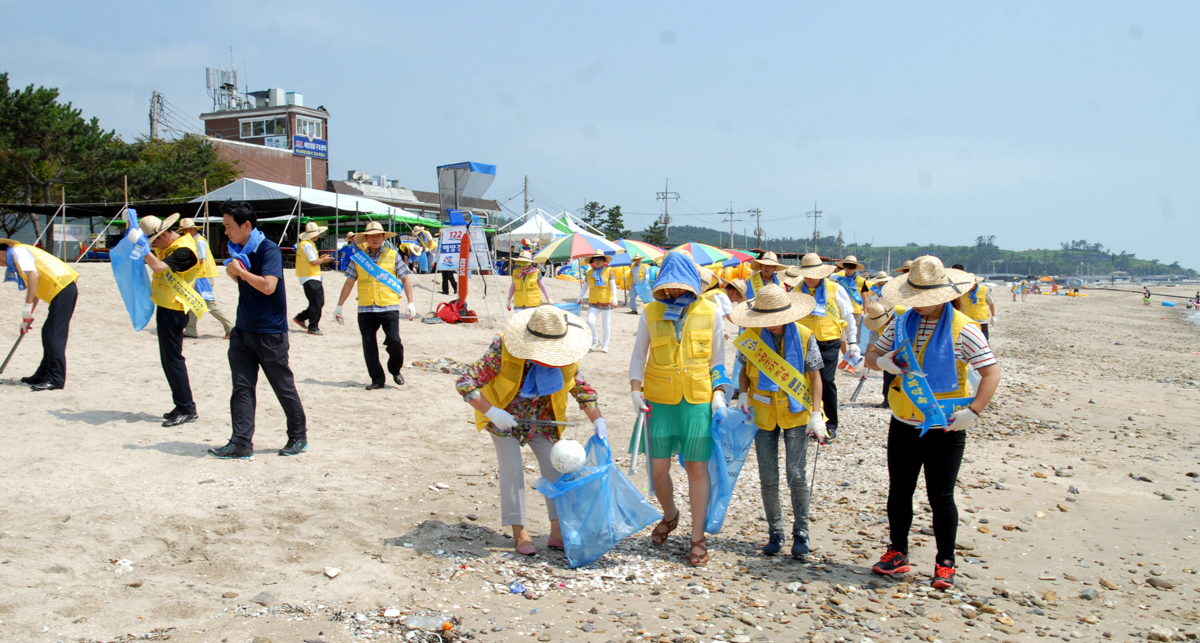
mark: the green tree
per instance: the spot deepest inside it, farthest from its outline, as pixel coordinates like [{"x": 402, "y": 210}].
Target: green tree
[
  {"x": 656, "y": 234},
  {"x": 613, "y": 226},
  {"x": 593, "y": 214}
]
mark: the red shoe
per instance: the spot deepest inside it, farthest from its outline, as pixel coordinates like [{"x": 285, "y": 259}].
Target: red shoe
[
  {"x": 943, "y": 577},
  {"x": 893, "y": 562}
]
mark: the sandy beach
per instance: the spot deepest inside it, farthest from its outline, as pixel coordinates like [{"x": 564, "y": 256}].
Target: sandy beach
[{"x": 1078, "y": 498}]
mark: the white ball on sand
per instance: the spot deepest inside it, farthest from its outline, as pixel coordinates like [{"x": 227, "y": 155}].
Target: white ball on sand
[{"x": 567, "y": 456}]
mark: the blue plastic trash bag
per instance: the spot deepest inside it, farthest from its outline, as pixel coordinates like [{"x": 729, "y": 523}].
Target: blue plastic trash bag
[
  {"x": 644, "y": 292},
  {"x": 574, "y": 309},
  {"x": 598, "y": 506},
  {"x": 733, "y": 435},
  {"x": 652, "y": 275},
  {"x": 134, "y": 284}
]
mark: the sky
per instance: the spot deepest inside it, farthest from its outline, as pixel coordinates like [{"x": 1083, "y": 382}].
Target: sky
[{"x": 934, "y": 122}]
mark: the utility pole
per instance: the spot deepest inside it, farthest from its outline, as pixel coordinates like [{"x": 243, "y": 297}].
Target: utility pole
[
  {"x": 729, "y": 213},
  {"x": 526, "y": 194},
  {"x": 156, "y": 104},
  {"x": 840, "y": 255},
  {"x": 665, "y": 196},
  {"x": 815, "y": 215},
  {"x": 758, "y": 232}
]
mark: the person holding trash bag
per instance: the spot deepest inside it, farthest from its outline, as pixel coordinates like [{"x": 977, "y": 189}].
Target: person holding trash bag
[
  {"x": 930, "y": 348},
  {"x": 637, "y": 274},
  {"x": 780, "y": 379},
  {"x": 677, "y": 378},
  {"x": 43, "y": 277},
  {"x": 527, "y": 289},
  {"x": 519, "y": 392}
]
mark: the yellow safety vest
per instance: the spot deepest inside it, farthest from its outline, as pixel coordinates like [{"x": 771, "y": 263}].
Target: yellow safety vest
[
  {"x": 898, "y": 400},
  {"x": 527, "y": 293},
  {"x": 209, "y": 271},
  {"x": 756, "y": 280},
  {"x": 858, "y": 285},
  {"x": 160, "y": 290},
  {"x": 979, "y": 311},
  {"x": 639, "y": 277},
  {"x": 676, "y": 371},
  {"x": 830, "y": 326},
  {"x": 599, "y": 294},
  {"x": 53, "y": 274},
  {"x": 304, "y": 268},
  {"x": 711, "y": 294},
  {"x": 370, "y": 291},
  {"x": 507, "y": 383},
  {"x": 776, "y": 413}
]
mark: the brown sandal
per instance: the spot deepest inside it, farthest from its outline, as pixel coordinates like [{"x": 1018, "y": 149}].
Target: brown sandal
[
  {"x": 701, "y": 560},
  {"x": 659, "y": 537}
]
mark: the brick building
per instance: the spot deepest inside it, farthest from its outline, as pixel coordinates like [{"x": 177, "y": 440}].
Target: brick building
[{"x": 277, "y": 139}]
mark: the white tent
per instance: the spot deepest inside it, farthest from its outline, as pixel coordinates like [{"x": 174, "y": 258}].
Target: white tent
[
  {"x": 256, "y": 190},
  {"x": 569, "y": 220},
  {"x": 538, "y": 226}
]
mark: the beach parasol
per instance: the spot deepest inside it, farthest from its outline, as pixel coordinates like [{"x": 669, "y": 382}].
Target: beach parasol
[
  {"x": 641, "y": 249},
  {"x": 737, "y": 258},
  {"x": 574, "y": 246},
  {"x": 703, "y": 254}
]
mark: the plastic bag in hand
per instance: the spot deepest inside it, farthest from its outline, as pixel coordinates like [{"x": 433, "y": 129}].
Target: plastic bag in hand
[
  {"x": 733, "y": 435},
  {"x": 133, "y": 282}
]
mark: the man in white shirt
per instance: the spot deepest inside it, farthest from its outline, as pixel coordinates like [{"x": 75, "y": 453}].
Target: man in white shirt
[
  {"x": 43, "y": 278},
  {"x": 308, "y": 270}
]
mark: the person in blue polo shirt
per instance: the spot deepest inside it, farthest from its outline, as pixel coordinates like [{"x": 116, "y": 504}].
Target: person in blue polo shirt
[{"x": 260, "y": 336}]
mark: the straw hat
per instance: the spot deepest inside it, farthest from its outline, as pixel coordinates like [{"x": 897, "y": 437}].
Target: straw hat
[
  {"x": 811, "y": 267},
  {"x": 186, "y": 224},
  {"x": 772, "y": 306},
  {"x": 599, "y": 254},
  {"x": 373, "y": 227},
  {"x": 851, "y": 260},
  {"x": 928, "y": 283},
  {"x": 524, "y": 257},
  {"x": 312, "y": 231},
  {"x": 877, "y": 317},
  {"x": 905, "y": 268},
  {"x": 152, "y": 226},
  {"x": 738, "y": 284},
  {"x": 548, "y": 335},
  {"x": 707, "y": 277},
  {"x": 767, "y": 259}
]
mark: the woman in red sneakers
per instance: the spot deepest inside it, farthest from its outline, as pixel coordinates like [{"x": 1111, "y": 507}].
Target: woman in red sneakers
[{"x": 930, "y": 349}]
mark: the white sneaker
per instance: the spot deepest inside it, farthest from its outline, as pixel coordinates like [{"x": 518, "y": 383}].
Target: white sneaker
[{"x": 604, "y": 348}]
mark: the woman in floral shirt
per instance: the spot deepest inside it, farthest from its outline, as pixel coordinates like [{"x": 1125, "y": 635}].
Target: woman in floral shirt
[{"x": 519, "y": 391}]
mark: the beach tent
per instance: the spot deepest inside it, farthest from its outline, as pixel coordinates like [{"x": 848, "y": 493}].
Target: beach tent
[
  {"x": 538, "y": 226},
  {"x": 569, "y": 224}
]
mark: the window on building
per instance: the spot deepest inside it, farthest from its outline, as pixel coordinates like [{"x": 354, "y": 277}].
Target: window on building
[
  {"x": 309, "y": 127},
  {"x": 254, "y": 128},
  {"x": 308, "y": 171}
]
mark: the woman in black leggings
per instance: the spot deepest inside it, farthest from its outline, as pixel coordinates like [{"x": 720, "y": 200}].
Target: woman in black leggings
[{"x": 946, "y": 344}]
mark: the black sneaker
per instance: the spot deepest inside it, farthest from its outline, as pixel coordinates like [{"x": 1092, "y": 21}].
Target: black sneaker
[
  {"x": 232, "y": 451},
  {"x": 832, "y": 433},
  {"x": 171, "y": 414},
  {"x": 892, "y": 562},
  {"x": 180, "y": 418},
  {"x": 800, "y": 546},
  {"x": 31, "y": 380},
  {"x": 294, "y": 446},
  {"x": 943, "y": 575},
  {"x": 774, "y": 544}
]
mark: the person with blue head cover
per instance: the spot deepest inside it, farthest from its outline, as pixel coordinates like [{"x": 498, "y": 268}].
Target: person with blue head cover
[
  {"x": 929, "y": 348},
  {"x": 677, "y": 379}
]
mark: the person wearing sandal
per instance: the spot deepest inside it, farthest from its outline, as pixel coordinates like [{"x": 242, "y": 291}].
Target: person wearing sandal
[
  {"x": 519, "y": 392},
  {"x": 678, "y": 384},
  {"x": 782, "y": 407}
]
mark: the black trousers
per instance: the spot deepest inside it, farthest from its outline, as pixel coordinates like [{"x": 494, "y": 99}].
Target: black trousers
[
  {"x": 831, "y": 352},
  {"x": 368, "y": 325},
  {"x": 53, "y": 369},
  {"x": 170, "y": 352},
  {"x": 249, "y": 352},
  {"x": 984, "y": 327},
  {"x": 314, "y": 291},
  {"x": 887, "y": 384},
  {"x": 940, "y": 453},
  {"x": 449, "y": 277}
]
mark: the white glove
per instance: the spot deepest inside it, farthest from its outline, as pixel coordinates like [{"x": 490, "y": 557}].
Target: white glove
[
  {"x": 141, "y": 246},
  {"x": 961, "y": 420},
  {"x": 412, "y": 311},
  {"x": 887, "y": 363},
  {"x": 992, "y": 321},
  {"x": 26, "y": 317},
  {"x": 337, "y": 315},
  {"x": 743, "y": 402},
  {"x": 853, "y": 350},
  {"x": 639, "y": 402},
  {"x": 816, "y": 427},
  {"x": 501, "y": 418},
  {"x": 549, "y": 300},
  {"x": 718, "y": 400},
  {"x": 600, "y": 428},
  {"x": 134, "y": 235}
]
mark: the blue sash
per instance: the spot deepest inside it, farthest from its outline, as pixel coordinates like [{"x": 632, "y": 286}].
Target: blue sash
[
  {"x": 793, "y": 353},
  {"x": 10, "y": 272},
  {"x": 974, "y": 294},
  {"x": 914, "y": 382},
  {"x": 376, "y": 272},
  {"x": 850, "y": 283},
  {"x": 819, "y": 295},
  {"x": 242, "y": 253}
]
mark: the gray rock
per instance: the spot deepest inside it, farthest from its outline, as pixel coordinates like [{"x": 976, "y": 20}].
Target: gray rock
[
  {"x": 1088, "y": 594},
  {"x": 1160, "y": 583},
  {"x": 229, "y": 595},
  {"x": 1073, "y": 489},
  {"x": 1167, "y": 496},
  {"x": 266, "y": 599},
  {"x": 1159, "y": 633}
]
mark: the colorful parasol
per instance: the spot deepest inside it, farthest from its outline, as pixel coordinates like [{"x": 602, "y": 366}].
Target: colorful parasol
[
  {"x": 703, "y": 254},
  {"x": 641, "y": 249},
  {"x": 737, "y": 258},
  {"x": 574, "y": 246}
]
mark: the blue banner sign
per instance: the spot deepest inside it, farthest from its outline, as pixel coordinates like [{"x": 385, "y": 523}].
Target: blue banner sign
[{"x": 314, "y": 147}]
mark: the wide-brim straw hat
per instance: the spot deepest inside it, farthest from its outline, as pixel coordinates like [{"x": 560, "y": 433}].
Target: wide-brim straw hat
[
  {"x": 707, "y": 278},
  {"x": 849, "y": 261},
  {"x": 772, "y": 306},
  {"x": 599, "y": 254},
  {"x": 312, "y": 231},
  {"x": 152, "y": 226},
  {"x": 928, "y": 283},
  {"x": 810, "y": 267},
  {"x": 524, "y": 257},
  {"x": 767, "y": 259},
  {"x": 905, "y": 268},
  {"x": 738, "y": 284},
  {"x": 878, "y": 316},
  {"x": 548, "y": 335},
  {"x": 373, "y": 227},
  {"x": 187, "y": 224}
]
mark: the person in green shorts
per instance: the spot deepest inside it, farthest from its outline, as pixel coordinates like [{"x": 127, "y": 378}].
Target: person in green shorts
[{"x": 678, "y": 383}]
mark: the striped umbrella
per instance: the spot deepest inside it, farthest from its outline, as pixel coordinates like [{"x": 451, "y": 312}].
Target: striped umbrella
[
  {"x": 703, "y": 254},
  {"x": 641, "y": 249},
  {"x": 737, "y": 258},
  {"x": 574, "y": 246}
]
